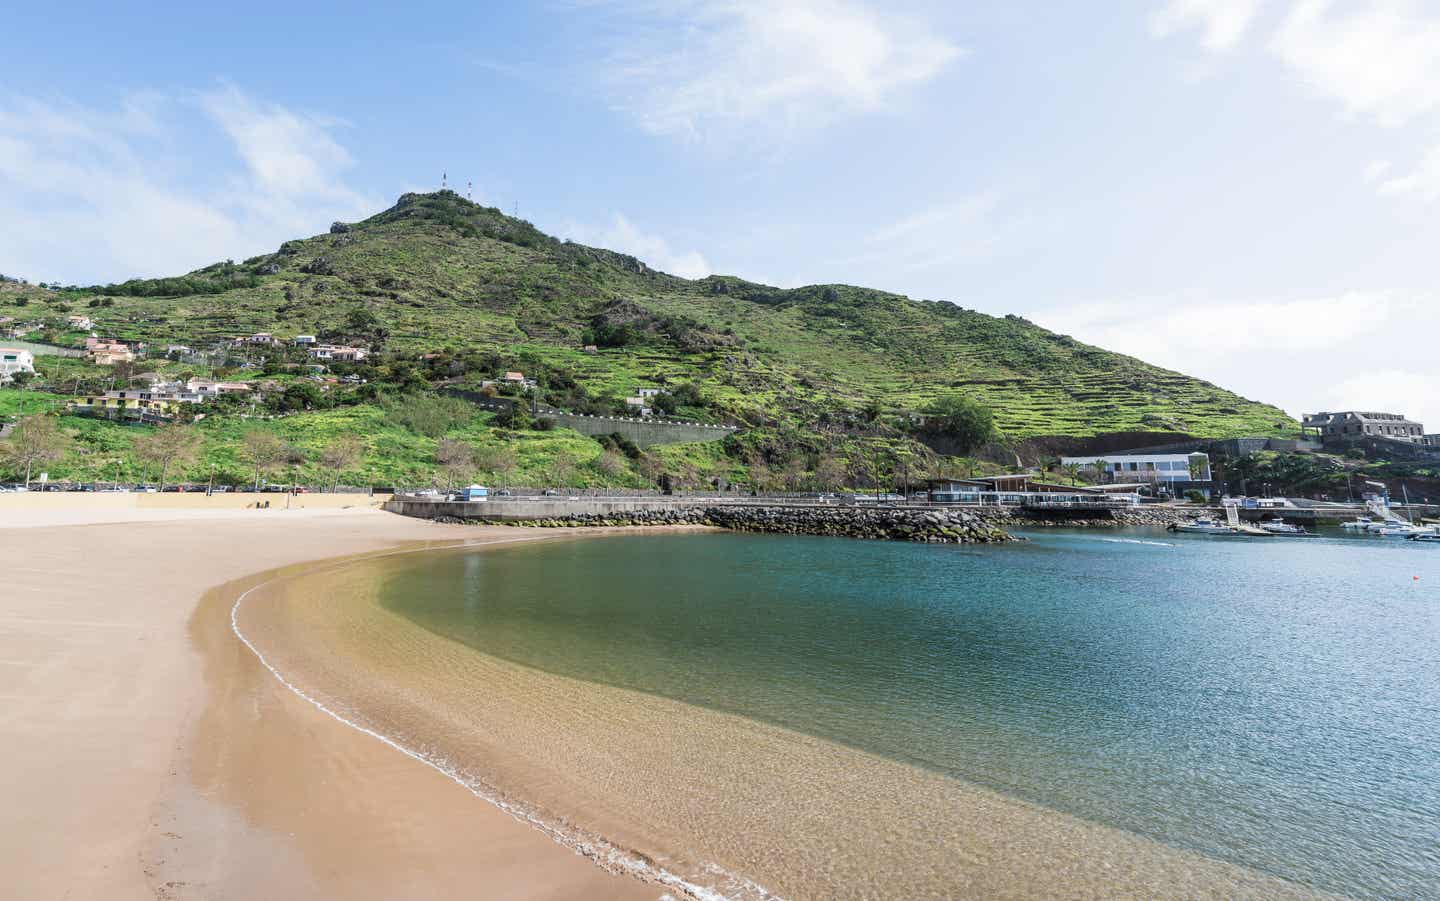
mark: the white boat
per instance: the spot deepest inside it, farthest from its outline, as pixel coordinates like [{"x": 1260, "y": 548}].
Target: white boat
[
  {"x": 1205, "y": 525},
  {"x": 1281, "y": 527},
  {"x": 1430, "y": 537},
  {"x": 1358, "y": 524},
  {"x": 1402, "y": 530}
]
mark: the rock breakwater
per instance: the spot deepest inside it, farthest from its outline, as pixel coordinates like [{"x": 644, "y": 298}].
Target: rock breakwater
[{"x": 888, "y": 524}]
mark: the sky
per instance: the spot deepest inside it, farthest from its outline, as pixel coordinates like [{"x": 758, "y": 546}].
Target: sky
[{"x": 1243, "y": 190}]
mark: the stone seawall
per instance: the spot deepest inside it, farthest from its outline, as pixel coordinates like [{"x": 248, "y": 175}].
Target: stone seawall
[
  {"x": 889, "y": 524},
  {"x": 955, "y": 525},
  {"x": 1113, "y": 519}
]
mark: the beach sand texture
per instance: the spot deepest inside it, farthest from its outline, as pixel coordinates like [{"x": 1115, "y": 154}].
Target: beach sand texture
[
  {"x": 103, "y": 687},
  {"x": 149, "y": 754}
]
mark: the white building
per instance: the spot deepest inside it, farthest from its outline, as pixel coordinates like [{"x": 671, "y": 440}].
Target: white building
[
  {"x": 1160, "y": 468},
  {"x": 13, "y": 360},
  {"x": 338, "y": 353}
]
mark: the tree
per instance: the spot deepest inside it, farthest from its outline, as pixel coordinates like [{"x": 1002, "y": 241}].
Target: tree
[
  {"x": 341, "y": 455},
  {"x": 22, "y": 378},
  {"x": 265, "y": 451},
  {"x": 611, "y": 464},
  {"x": 456, "y": 459},
  {"x": 1102, "y": 469},
  {"x": 169, "y": 446},
  {"x": 965, "y": 421},
  {"x": 498, "y": 461},
  {"x": 35, "y": 440},
  {"x": 562, "y": 469},
  {"x": 829, "y": 472},
  {"x": 903, "y": 470}
]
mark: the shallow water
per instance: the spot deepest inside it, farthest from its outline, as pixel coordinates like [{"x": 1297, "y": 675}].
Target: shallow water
[{"x": 1272, "y": 703}]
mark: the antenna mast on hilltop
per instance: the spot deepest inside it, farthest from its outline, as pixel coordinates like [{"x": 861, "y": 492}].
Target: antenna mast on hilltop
[
  {"x": 469, "y": 185},
  {"x": 444, "y": 178}
]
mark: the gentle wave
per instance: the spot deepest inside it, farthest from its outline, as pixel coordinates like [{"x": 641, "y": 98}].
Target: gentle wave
[
  {"x": 603, "y": 853},
  {"x": 1139, "y": 541}
]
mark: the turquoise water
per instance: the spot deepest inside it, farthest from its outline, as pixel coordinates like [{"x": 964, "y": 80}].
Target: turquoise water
[{"x": 1275, "y": 703}]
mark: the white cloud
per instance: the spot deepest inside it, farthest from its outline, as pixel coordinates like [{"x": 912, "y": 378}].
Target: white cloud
[
  {"x": 622, "y": 235},
  {"x": 1375, "y": 171},
  {"x": 1381, "y": 59},
  {"x": 1408, "y": 391},
  {"x": 707, "y": 66},
  {"x": 1272, "y": 351},
  {"x": 963, "y": 230},
  {"x": 1222, "y": 23},
  {"x": 1422, "y": 182},
  {"x": 95, "y": 194}
]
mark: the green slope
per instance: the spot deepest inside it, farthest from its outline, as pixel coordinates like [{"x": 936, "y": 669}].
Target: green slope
[{"x": 438, "y": 272}]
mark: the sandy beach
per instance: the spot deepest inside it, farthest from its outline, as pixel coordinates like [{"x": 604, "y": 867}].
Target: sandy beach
[
  {"x": 111, "y": 664},
  {"x": 149, "y": 753}
]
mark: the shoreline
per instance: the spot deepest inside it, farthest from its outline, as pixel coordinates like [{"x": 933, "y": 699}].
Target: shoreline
[
  {"x": 230, "y": 783},
  {"x": 112, "y": 670},
  {"x": 608, "y": 857},
  {"x": 998, "y": 843}
]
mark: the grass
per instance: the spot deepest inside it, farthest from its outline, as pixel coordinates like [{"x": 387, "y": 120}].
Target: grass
[
  {"x": 438, "y": 271},
  {"x": 828, "y": 370}
]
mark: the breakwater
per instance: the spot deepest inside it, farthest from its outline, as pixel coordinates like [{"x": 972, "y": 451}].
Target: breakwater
[{"x": 938, "y": 526}]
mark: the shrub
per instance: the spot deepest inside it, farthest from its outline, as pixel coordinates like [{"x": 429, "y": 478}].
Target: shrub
[{"x": 424, "y": 414}]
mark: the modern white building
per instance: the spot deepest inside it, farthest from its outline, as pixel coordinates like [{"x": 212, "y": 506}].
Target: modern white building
[
  {"x": 1159, "y": 468},
  {"x": 13, "y": 360}
]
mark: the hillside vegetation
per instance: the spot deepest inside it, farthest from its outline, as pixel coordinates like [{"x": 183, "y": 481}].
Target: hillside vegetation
[
  {"x": 831, "y": 384},
  {"x": 436, "y": 271}
]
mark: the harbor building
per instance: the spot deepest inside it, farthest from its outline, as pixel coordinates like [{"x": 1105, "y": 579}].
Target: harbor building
[
  {"x": 1176, "y": 473},
  {"x": 1352, "y": 424}
]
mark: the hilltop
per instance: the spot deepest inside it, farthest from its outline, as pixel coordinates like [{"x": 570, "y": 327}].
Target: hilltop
[{"x": 437, "y": 272}]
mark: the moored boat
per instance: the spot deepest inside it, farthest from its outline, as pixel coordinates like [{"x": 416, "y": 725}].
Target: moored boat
[
  {"x": 1281, "y": 527},
  {"x": 1205, "y": 525}
]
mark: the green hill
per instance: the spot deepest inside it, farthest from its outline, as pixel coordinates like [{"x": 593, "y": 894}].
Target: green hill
[{"x": 436, "y": 271}]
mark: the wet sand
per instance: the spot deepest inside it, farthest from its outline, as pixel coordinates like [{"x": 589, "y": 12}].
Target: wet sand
[{"x": 109, "y": 675}]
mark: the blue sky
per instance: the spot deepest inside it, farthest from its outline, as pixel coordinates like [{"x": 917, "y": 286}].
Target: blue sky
[{"x": 1240, "y": 189}]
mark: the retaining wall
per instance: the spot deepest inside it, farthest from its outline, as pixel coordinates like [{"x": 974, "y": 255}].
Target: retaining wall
[{"x": 644, "y": 432}]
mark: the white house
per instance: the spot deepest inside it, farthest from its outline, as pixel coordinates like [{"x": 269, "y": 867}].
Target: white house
[
  {"x": 13, "y": 360},
  {"x": 1161, "y": 468},
  {"x": 338, "y": 353},
  {"x": 303, "y": 340}
]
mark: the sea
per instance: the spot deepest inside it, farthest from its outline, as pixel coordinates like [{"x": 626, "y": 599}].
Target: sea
[{"x": 1122, "y": 711}]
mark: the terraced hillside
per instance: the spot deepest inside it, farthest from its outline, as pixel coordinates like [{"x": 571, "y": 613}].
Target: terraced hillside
[{"x": 436, "y": 272}]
